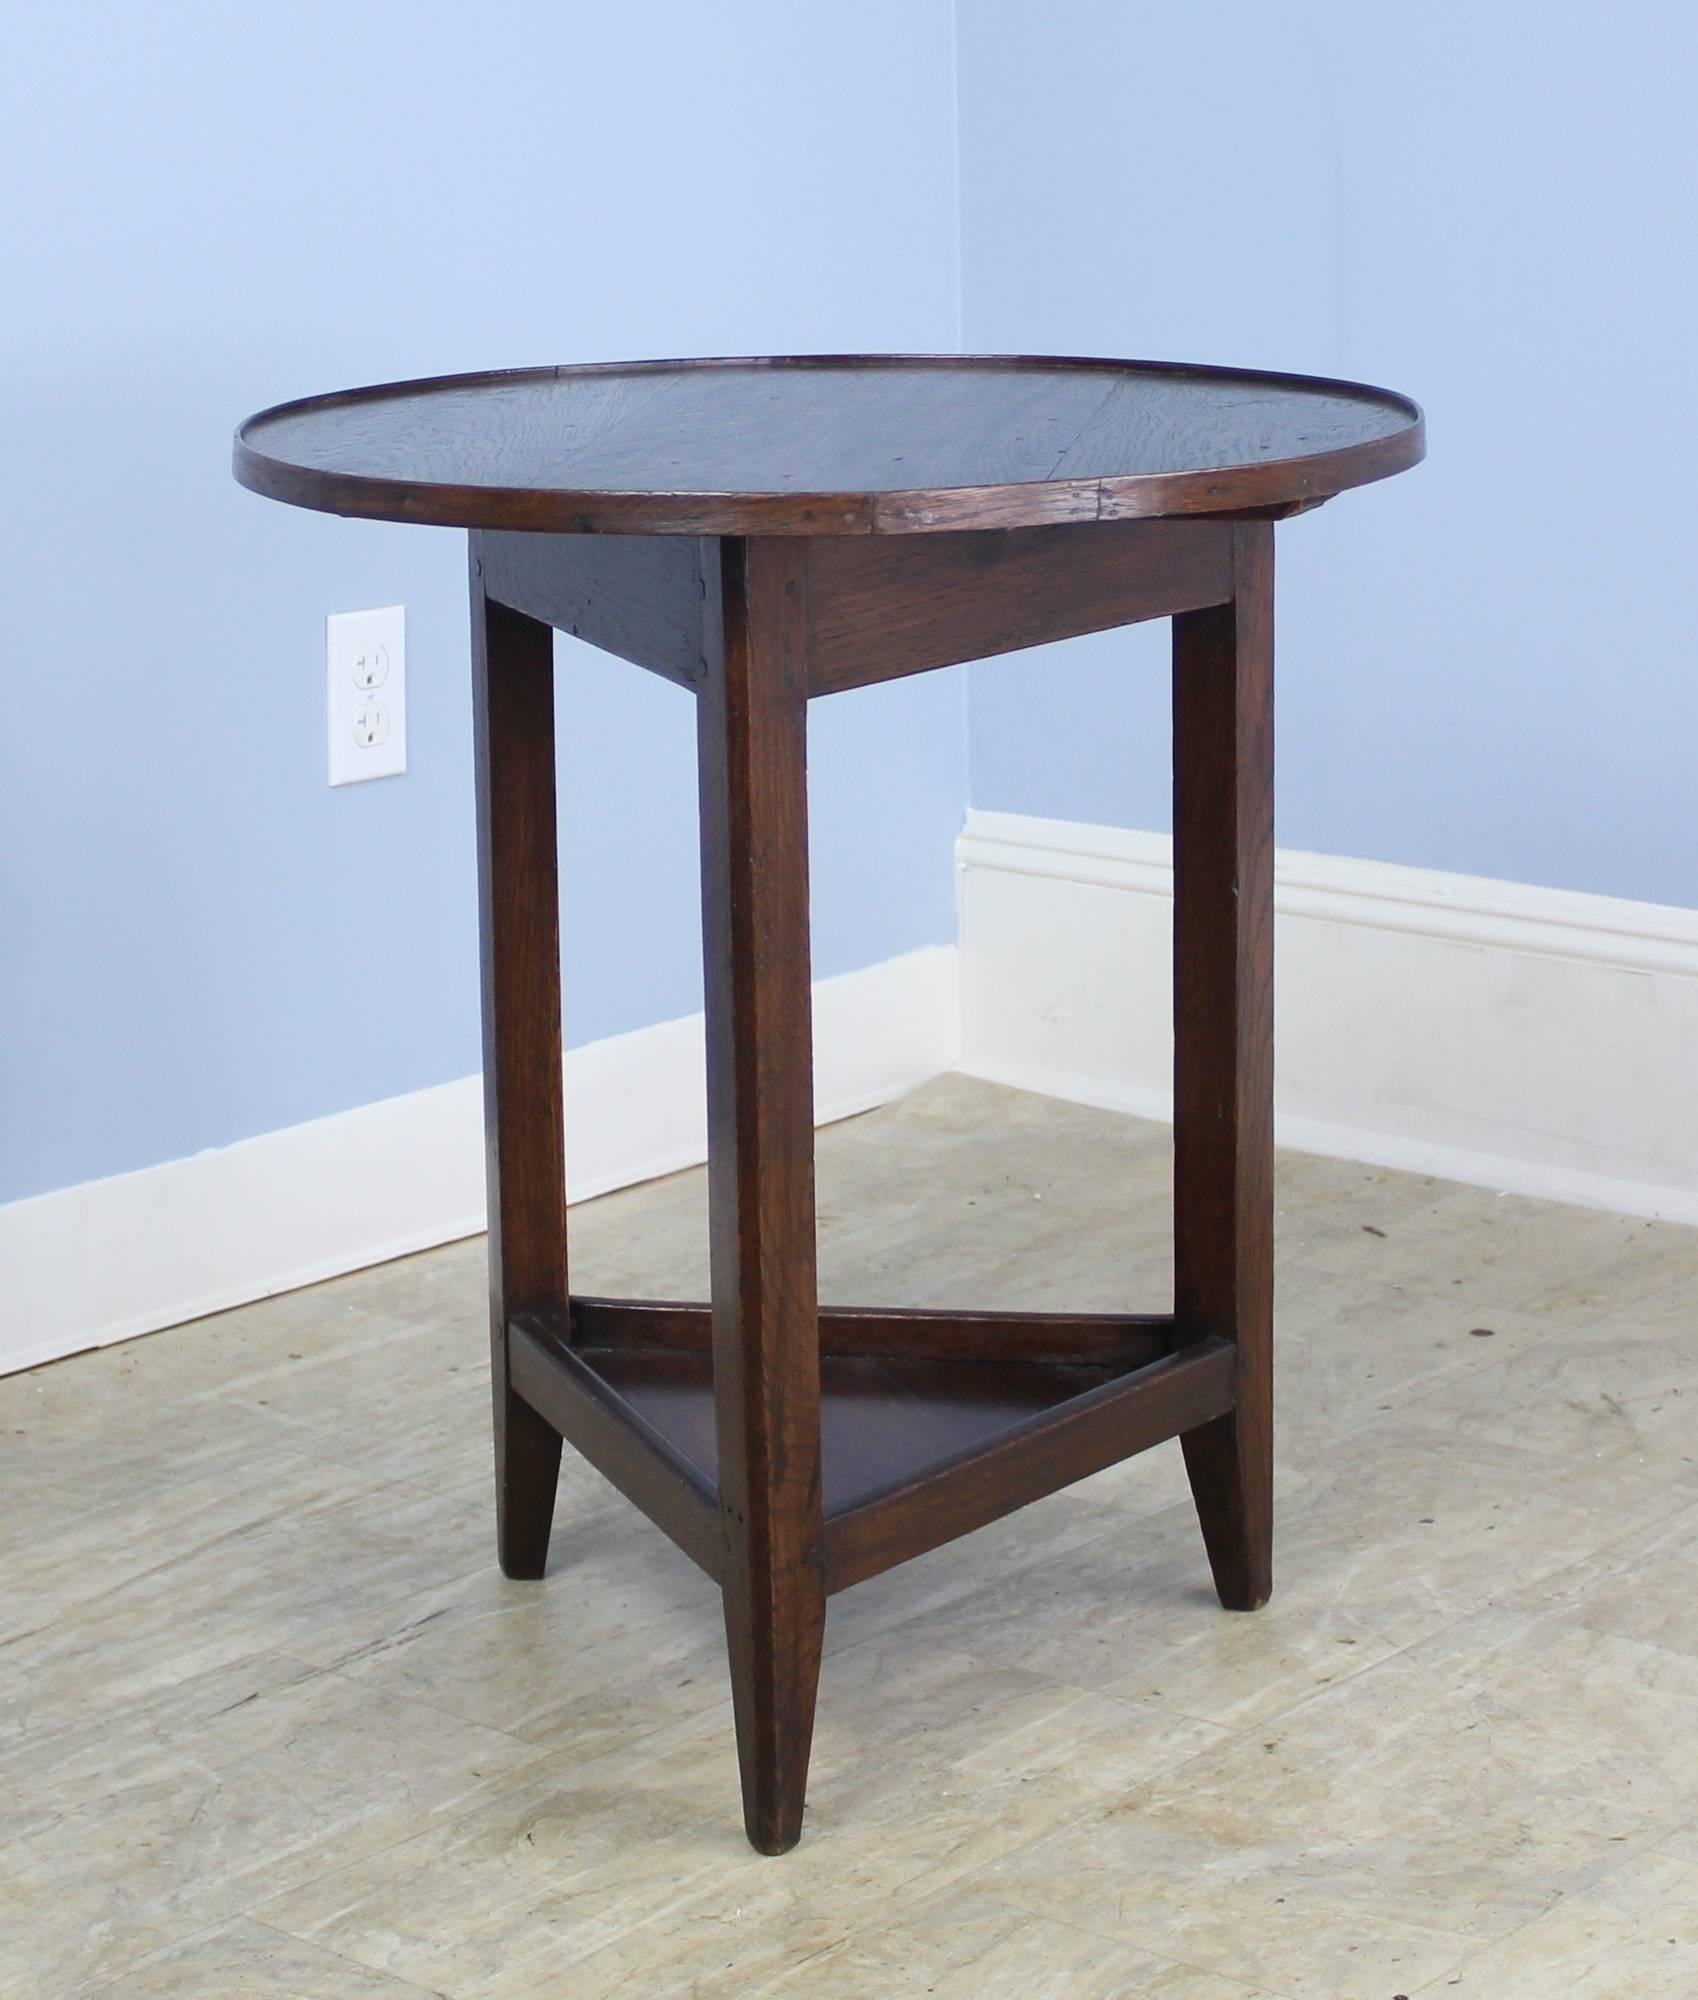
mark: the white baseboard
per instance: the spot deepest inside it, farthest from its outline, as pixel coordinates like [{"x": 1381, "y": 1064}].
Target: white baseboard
[
  {"x": 94, "y": 1264},
  {"x": 1527, "y": 1039},
  {"x": 1520, "y": 1038}
]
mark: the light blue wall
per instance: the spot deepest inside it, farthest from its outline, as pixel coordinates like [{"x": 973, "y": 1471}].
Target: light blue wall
[
  {"x": 1487, "y": 665},
  {"x": 212, "y": 206}
]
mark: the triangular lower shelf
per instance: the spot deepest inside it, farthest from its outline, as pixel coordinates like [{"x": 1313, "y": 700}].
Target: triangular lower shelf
[
  {"x": 916, "y": 1448},
  {"x": 882, "y": 1420}
]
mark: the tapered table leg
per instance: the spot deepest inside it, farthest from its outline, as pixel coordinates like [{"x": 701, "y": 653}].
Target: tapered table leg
[
  {"x": 766, "y": 1370},
  {"x": 1223, "y": 1056},
  {"x": 513, "y": 732}
]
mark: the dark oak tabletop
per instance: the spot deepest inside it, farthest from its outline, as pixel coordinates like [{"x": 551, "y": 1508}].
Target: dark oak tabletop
[{"x": 826, "y": 445}]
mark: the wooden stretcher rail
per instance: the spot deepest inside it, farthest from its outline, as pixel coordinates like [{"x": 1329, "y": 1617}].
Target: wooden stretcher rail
[
  {"x": 1040, "y": 1456},
  {"x": 597, "y": 1421},
  {"x": 1125, "y": 1340}
]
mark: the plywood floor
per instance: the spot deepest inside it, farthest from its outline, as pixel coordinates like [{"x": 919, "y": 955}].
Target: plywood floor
[{"x": 272, "y": 1724}]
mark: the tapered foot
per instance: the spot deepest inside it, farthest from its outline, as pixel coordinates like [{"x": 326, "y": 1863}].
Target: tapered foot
[
  {"x": 775, "y": 1671},
  {"x": 1223, "y": 931},
  {"x": 1231, "y": 1475},
  {"x": 513, "y": 741},
  {"x": 751, "y": 715},
  {"x": 527, "y": 1472}
]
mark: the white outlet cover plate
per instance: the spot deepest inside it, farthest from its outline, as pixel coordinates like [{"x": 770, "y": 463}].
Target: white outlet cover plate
[{"x": 365, "y": 668}]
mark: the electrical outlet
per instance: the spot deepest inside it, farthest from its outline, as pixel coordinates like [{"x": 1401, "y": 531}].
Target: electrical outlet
[{"x": 366, "y": 693}]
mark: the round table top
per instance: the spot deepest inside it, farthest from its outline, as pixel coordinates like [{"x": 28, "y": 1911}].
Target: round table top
[{"x": 828, "y": 445}]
